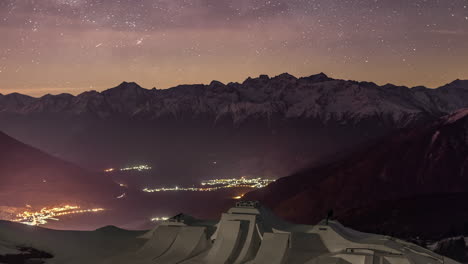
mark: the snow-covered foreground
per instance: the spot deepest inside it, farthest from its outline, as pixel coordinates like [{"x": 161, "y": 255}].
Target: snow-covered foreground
[
  {"x": 247, "y": 233},
  {"x": 69, "y": 246}
]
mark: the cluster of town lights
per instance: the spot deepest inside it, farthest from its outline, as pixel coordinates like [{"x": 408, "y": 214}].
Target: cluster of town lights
[
  {"x": 218, "y": 184},
  {"x": 41, "y": 217},
  {"x": 136, "y": 168},
  {"x": 159, "y": 219},
  {"x": 253, "y": 183}
]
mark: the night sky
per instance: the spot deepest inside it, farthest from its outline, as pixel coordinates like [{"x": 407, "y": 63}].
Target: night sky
[{"x": 55, "y": 46}]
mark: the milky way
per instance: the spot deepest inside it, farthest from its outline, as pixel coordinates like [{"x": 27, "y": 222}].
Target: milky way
[{"x": 55, "y": 46}]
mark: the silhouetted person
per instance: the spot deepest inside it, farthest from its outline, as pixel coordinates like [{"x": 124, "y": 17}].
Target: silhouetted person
[{"x": 329, "y": 215}]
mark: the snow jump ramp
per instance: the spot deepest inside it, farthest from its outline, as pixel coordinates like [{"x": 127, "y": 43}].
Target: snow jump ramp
[
  {"x": 273, "y": 249},
  {"x": 159, "y": 242},
  {"x": 247, "y": 233},
  {"x": 250, "y": 233},
  {"x": 190, "y": 241},
  {"x": 236, "y": 240}
]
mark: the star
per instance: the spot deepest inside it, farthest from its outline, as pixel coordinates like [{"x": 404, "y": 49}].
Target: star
[{"x": 152, "y": 41}]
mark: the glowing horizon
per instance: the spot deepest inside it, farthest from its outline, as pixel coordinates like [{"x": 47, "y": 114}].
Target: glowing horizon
[{"x": 72, "y": 46}]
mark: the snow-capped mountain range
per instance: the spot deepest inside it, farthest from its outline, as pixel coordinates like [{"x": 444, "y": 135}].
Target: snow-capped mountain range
[
  {"x": 283, "y": 96},
  {"x": 264, "y": 126}
]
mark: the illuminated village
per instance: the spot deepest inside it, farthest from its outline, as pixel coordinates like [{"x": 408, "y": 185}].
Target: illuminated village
[
  {"x": 134, "y": 168},
  {"x": 137, "y": 168},
  {"x": 218, "y": 184},
  {"x": 159, "y": 219},
  {"x": 42, "y": 216}
]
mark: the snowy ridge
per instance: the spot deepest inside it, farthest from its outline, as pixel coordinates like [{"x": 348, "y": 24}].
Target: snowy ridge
[{"x": 284, "y": 96}]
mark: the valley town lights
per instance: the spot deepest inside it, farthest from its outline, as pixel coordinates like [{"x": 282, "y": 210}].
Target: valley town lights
[
  {"x": 159, "y": 219},
  {"x": 134, "y": 168},
  {"x": 41, "y": 217},
  {"x": 217, "y": 184},
  {"x": 137, "y": 168}
]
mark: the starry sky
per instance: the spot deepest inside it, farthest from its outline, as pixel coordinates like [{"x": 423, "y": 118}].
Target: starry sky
[{"x": 56, "y": 46}]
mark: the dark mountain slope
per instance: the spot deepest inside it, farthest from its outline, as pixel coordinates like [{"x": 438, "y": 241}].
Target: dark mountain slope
[
  {"x": 29, "y": 176},
  {"x": 428, "y": 160}
]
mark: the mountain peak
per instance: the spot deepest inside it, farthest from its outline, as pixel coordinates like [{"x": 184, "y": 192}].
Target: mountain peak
[
  {"x": 15, "y": 94},
  {"x": 320, "y": 77},
  {"x": 129, "y": 85},
  {"x": 264, "y": 77},
  {"x": 126, "y": 88},
  {"x": 321, "y": 74},
  {"x": 285, "y": 76},
  {"x": 216, "y": 83},
  {"x": 19, "y": 98},
  {"x": 459, "y": 84},
  {"x": 260, "y": 79}
]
